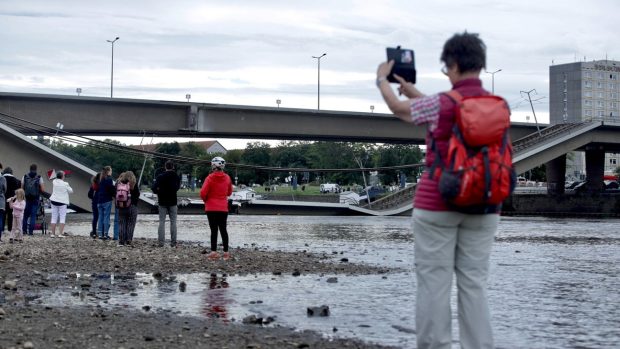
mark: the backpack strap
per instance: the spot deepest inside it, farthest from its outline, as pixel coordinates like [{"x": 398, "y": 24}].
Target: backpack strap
[
  {"x": 455, "y": 96},
  {"x": 437, "y": 162}
]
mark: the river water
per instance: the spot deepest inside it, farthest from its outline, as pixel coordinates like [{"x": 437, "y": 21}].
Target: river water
[{"x": 554, "y": 283}]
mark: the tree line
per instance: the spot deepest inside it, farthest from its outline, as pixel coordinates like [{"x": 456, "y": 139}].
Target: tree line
[{"x": 286, "y": 154}]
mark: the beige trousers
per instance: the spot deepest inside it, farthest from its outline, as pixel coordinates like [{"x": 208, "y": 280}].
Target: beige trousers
[{"x": 448, "y": 243}]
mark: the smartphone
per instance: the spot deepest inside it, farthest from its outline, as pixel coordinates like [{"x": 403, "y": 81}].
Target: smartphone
[{"x": 404, "y": 64}]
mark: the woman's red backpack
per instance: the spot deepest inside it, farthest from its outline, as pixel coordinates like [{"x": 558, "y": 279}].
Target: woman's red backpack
[{"x": 478, "y": 169}]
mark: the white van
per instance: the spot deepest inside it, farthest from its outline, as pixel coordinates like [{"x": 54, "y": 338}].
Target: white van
[{"x": 329, "y": 188}]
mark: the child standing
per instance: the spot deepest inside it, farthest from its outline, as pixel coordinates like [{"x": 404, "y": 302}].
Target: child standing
[{"x": 18, "y": 204}]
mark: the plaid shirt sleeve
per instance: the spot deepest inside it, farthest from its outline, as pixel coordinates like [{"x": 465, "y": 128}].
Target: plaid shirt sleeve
[{"x": 425, "y": 110}]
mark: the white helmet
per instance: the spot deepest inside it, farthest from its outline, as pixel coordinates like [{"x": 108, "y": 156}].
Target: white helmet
[{"x": 218, "y": 163}]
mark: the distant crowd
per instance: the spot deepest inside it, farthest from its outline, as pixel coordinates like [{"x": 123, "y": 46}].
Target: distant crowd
[{"x": 21, "y": 204}]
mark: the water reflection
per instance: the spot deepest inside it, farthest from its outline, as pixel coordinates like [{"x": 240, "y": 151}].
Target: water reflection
[{"x": 216, "y": 298}]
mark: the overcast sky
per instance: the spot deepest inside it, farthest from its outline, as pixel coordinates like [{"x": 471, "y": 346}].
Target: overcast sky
[{"x": 254, "y": 52}]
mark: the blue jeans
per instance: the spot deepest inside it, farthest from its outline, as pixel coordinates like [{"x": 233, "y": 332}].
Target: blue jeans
[
  {"x": 116, "y": 223},
  {"x": 103, "y": 225},
  {"x": 95, "y": 209},
  {"x": 30, "y": 214}
]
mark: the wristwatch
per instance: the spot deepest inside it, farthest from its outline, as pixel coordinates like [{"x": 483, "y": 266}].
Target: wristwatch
[{"x": 380, "y": 80}]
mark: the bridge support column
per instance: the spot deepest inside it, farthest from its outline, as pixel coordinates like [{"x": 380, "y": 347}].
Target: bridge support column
[
  {"x": 595, "y": 168},
  {"x": 556, "y": 173}
]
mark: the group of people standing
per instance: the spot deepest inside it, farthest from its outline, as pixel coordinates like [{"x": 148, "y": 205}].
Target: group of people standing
[
  {"x": 124, "y": 193},
  {"x": 19, "y": 202}
]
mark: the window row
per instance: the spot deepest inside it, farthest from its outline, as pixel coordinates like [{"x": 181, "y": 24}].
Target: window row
[
  {"x": 589, "y": 94},
  {"x": 600, "y": 104},
  {"x": 600, "y": 85},
  {"x": 601, "y": 113},
  {"x": 600, "y": 75}
]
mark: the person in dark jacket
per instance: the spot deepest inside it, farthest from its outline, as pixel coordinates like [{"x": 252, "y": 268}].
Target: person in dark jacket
[
  {"x": 32, "y": 184},
  {"x": 215, "y": 192},
  {"x": 12, "y": 184},
  {"x": 92, "y": 195},
  {"x": 105, "y": 194},
  {"x": 166, "y": 186}
]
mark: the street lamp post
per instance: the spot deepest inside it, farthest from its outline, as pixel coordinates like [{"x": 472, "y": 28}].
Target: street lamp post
[
  {"x": 78, "y": 91},
  {"x": 318, "y": 91},
  {"x": 493, "y": 79},
  {"x": 188, "y": 96},
  {"x": 372, "y": 108},
  {"x": 112, "y": 68},
  {"x": 278, "y": 101}
]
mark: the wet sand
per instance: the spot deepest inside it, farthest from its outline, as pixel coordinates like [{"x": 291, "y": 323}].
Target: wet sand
[{"x": 41, "y": 264}]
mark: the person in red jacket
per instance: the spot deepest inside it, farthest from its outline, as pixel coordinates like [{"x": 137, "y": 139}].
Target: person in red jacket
[{"x": 215, "y": 191}]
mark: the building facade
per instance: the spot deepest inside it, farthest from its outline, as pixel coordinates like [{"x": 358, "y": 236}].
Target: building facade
[{"x": 582, "y": 91}]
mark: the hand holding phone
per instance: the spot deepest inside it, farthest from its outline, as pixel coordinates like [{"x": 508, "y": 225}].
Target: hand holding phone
[{"x": 404, "y": 64}]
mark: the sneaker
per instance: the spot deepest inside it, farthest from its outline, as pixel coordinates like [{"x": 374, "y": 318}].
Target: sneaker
[
  {"x": 226, "y": 256},
  {"x": 213, "y": 256},
  {"x": 52, "y": 235}
]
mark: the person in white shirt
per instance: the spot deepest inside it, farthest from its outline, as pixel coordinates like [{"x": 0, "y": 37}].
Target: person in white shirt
[{"x": 60, "y": 201}]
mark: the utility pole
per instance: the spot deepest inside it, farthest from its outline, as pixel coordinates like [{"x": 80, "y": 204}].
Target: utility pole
[
  {"x": 318, "y": 86},
  {"x": 359, "y": 162},
  {"x": 532, "y": 106},
  {"x": 492, "y": 78}
]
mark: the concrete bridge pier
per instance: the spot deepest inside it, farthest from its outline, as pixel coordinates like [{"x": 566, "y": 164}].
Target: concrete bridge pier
[
  {"x": 556, "y": 173},
  {"x": 595, "y": 168}
]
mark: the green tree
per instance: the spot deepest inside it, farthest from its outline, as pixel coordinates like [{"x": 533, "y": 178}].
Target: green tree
[
  {"x": 398, "y": 154},
  {"x": 257, "y": 153},
  {"x": 95, "y": 155},
  {"x": 331, "y": 155},
  {"x": 173, "y": 148},
  {"x": 198, "y": 154}
]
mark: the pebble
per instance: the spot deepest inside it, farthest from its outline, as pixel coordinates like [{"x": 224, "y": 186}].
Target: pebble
[
  {"x": 10, "y": 285},
  {"x": 323, "y": 310},
  {"x": 28, "y": 345},
  {"x": 332, "y": 280}
]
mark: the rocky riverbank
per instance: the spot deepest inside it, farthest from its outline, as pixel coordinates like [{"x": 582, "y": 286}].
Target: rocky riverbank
[{"x": 39, "y": 265}]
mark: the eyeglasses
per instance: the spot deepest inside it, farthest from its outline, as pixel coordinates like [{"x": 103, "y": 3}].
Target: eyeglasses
[{"x": 444, "y": 70}]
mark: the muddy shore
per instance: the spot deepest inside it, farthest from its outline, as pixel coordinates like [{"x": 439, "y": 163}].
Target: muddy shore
[{"x": 41, "y": 264}]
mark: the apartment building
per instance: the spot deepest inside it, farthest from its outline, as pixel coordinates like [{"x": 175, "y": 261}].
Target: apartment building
[{"x": 583, "y": 91}]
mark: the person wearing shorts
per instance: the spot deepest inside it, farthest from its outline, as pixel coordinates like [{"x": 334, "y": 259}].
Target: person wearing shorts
[{"x": 60, "y": 201}]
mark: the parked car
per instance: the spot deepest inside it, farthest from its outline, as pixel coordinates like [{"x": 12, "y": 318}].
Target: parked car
[{"x": 329, "y": 188}]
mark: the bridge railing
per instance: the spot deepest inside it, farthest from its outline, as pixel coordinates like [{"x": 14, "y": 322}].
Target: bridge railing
[
  {"x": 396, "y": 199},
  {"x": 547, "y": 134}
]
